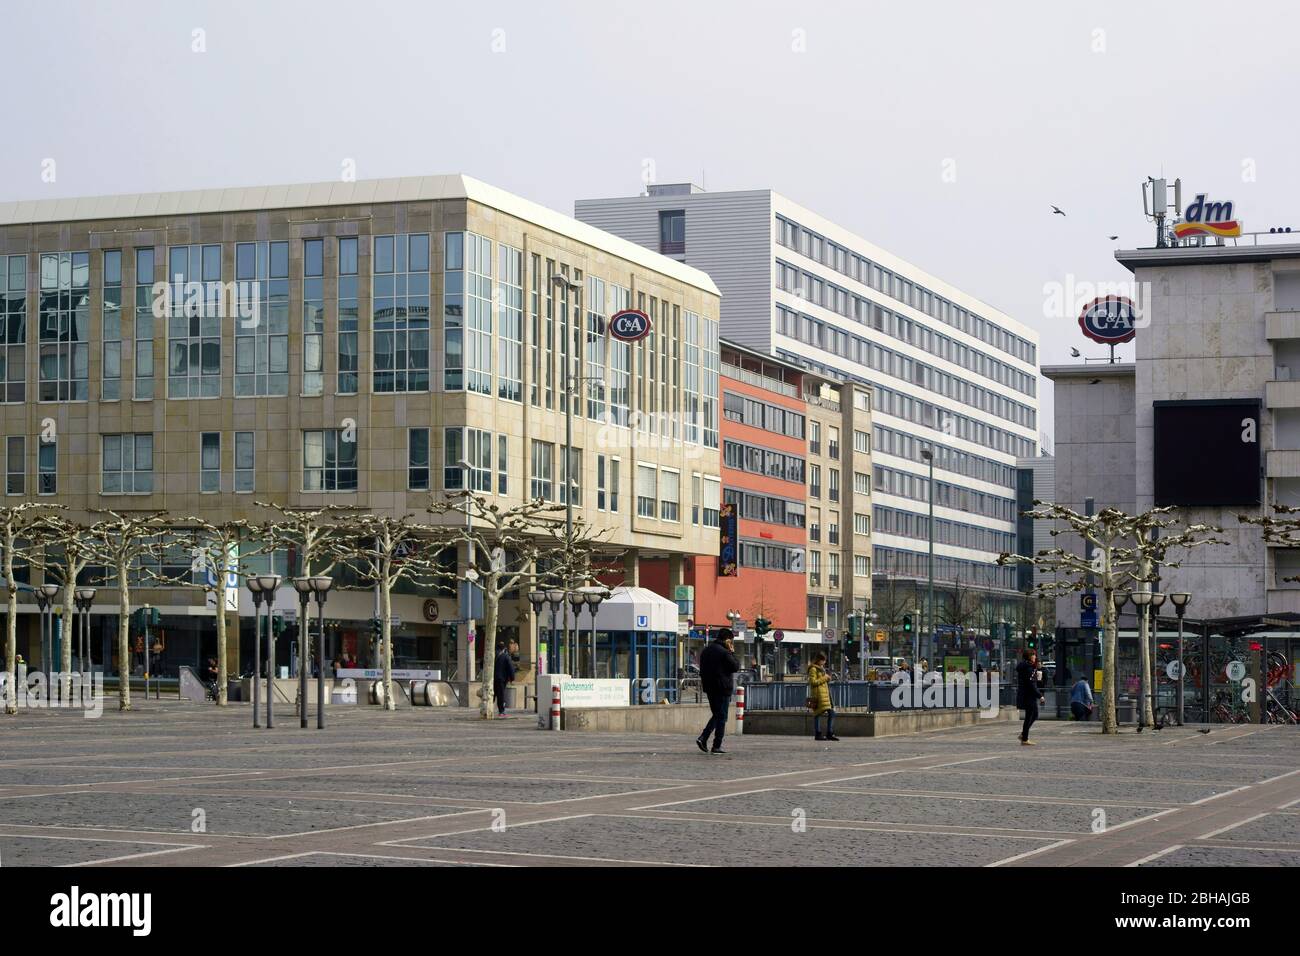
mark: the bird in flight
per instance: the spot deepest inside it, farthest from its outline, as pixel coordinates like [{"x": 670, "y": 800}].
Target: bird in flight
[
  {"x": 1074, "y": 353},
  {"x": 1095, "y": 381},
  {"x": 1112, "y": 237},
  {"x": 1056, "y": 210}
]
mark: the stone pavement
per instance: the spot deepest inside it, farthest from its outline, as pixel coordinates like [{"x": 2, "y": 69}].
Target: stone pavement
[{"x": 178, "y": 784}]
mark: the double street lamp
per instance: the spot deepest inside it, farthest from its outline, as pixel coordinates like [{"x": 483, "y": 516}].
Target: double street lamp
[
  {"x": 1148, "y": 603},
  {"x": 84, "y": 598},
  {"x": 263, "y": 588},
  {"x": 1180, "y": 600},
  {"x": 45, "y": 595},
  {"x": 306, "y": 586}
]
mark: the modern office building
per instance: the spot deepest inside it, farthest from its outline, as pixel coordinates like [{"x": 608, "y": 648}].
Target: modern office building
[
  {"x": 946, "y": 371},
  {"x": 792, "y": 443},
  {"x": 363, "y": 344}
]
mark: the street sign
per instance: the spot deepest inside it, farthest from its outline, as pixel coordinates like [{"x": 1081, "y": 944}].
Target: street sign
[
  {"x": 1236, "y": 671},
  {"x": 778, "y": 636},
  {"x": 880, "y": 636},
  {"x": 828, "y": 635},
  {"x": 1174, "y": 669},
  {"x": 1088, "y": 618},
  {"x": 642, "y": 621}
]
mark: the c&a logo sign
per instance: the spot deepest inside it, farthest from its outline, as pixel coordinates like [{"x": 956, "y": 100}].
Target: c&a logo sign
[
  {"x": 630, "y": 325},
  {"x": 1207, "y": 219}
]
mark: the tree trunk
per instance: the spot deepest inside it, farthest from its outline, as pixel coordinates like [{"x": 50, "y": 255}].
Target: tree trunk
[
  {"x": 11, "y": 647},
  {"x": 123, "y": 643},
  {"x": 1144, "y": 648},
  {"x": 221, "y": 639},
  {"x": 1110, "y": 640},
  {"x": 65, "y": 652},
  {"x": 491, "y": 607},
  {"x": 386, "y": 640}
]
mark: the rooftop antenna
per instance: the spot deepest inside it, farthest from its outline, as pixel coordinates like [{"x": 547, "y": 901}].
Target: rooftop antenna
[{"x": 1158, "y": 207}]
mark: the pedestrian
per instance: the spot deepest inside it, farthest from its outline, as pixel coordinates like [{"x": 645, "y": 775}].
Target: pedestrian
[
  {"x": 819, "y": 697},
  {"x": 1081, "y": 699},
  {"x": 717, "y": 665},
  {"x": 503, "y": 673},
  {"x": 1028, "y": 695}
]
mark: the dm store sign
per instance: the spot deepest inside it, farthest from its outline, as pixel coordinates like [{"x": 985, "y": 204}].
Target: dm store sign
[{"x": 1207, "y": 219}]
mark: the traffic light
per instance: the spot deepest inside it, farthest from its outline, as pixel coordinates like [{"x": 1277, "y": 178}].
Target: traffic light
[
  {"x": 907, "y": 624},
  {"x": 761, "y": 626},
  {"x": 1031, "y": 641},
  {"x": 376, "y": 626}
]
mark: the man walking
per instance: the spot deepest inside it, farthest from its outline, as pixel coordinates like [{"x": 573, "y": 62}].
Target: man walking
[
  {"x": 1028, "y": 696},
  {"x": 1081, "y": 699},
  {"x": 503, "y": 673},
  {"x": 717, "y": 665}
]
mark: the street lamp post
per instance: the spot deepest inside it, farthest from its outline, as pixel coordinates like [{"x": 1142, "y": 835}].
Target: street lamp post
[
  {"x": 255, "y": 588},
  {"x": 555, "y": 598},
  {"x": 570, "y": 375},
  {"x": 320, "y": 586},
  {"x": 1180, "y": 599},
  {"x": 576, "y": 601},
  {"x": 84, "y": 598},
  {"x": 1157, "y": 599},
  {"x": 303, "y": 586},
  {"x": 42, "y": 602},
  {"x": 270, "y": 583},
  {"x": 594, "y": 596},
  {"x": 538, "y": 600},
  {"x": 928, "y": 455},
  {"x": 1142, "y": 599},
  {"x": 471, "y": 574}
]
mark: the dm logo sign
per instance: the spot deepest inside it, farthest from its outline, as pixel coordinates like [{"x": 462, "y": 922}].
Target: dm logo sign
[
  {"x": 1109, "y": 320},
  {"x": 630, "y": 325},
  {"x": 1207, "y": 219}
]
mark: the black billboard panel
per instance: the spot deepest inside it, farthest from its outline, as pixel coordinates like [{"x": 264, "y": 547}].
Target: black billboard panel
[{"x": 1207, "y": 453}]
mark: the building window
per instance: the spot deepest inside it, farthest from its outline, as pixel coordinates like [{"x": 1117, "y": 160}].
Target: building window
[
  {"x": 861, "y": 566},
  {"x": 16, "y": 465},
  {"x": 65, "y": 327},
  {"x": 417, "y": 459},
  {"x": 210, "y": 462},
  {"x": 510, "y": 343},
  {"x": 861, "y": 524},
  {"x": 861, "y": 441},
  {"x": 126, "y": 464},
  {"x": 620, "y": 365},
  {"x": 712, "y": 501},
  {"x": 614, "y": 466},
  {"x": 194, "y": 322},
  {"x": 646, "y": 492},
  {"x": 262, "y": 323},
  {"x": 467, "y": 313},
  {"x": 833, "y": 443},
  {"x": 535, "y": 320},
  {"x": 833, "y": 489},
  {"x": 245, "y": 460},
  {"x": 814, "y": 481},
  {"x": 47, "y": 467},
  {"x": 348, "y": 374},
  {"x": 503, "y": 465},
  {"x": 861, "y": 483},
  {"x": 453, "y": 453},
  {"x": 145, "y": 268},
  {"x": 697, "y": 497},
  {"x": 478, "y": 452},
  {"x": 669, "y": 494},
  {"x": 313, "y": 316},
  {"x": 329, "y": 460},
  {"x": 110, "y": 324},
  {"x": 602, "y": 481},
  {"x": 400, "y": 312},
  {"x": 541, "y": 485},
  {"x": 596, "y": 339},
  {"x": 13, "y": 315},
  {"x": 571, "y": 486},
  {"x": 672, "y": 232}
]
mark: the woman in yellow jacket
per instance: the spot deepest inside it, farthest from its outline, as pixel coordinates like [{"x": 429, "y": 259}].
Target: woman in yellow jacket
[{"x": 819, "y": 697}]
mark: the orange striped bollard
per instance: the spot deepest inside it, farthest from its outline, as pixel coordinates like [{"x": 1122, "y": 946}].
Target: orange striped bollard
[
  {"x": 740, "y": 709},
  {"x": 555, "y": 707}
]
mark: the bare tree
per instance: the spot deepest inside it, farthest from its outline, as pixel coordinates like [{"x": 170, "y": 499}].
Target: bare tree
[
  {"x": 1126, "y": 552},
  {"x": 387, "y": 550},
  {"x": 505, "y": 547},
  {"x": 17, "y": 531},
  {"x": 214, "y": 548},
  {"x": 118, "y": 540}
]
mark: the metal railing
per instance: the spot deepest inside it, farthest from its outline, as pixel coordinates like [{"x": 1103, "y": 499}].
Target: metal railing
[{"x": 762, "y": 381}]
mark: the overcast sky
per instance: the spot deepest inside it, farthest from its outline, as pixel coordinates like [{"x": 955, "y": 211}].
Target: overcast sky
[{"x": 940, "y": 131}]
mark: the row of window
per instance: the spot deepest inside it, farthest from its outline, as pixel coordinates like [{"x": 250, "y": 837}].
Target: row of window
[
  {"x": 904, "y": 484},
  {"x": 768, "y": 508},
  {"x": 865, "y": 312},
  {"x": 846, "y": 262},
  {"x": 766, "y": 556},
  {"x": 677, "y": 364},
  {"x": 892, "y": 442},
  {"x": 828, "y": 338},
  {"x": 773, "y": 418},
  {"x": 762, "y": 461},
  {"x": 909, "y": 524},
  {"x": 913, "y": 564}
]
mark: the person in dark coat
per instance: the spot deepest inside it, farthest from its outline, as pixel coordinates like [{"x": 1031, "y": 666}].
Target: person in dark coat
[
  {"x": 717, "y": 665},
  {"x": 503, "y": 673},
  {"x": 1028, "y": 694}
]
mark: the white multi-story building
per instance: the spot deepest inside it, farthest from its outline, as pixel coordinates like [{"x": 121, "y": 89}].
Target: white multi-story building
[{"x": 948, "y": 372}]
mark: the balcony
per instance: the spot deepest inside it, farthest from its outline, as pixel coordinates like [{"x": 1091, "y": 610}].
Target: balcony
[
  {"x": 1282, "y": 394},
  {"x": 814, "y": 447},
  {"x": 1281, "y": 325},
  {"x": 1283, "y": 463},
  {"x": 833, "y": 450},
  {"x": 814, "y": 491},
  {"x": 833, "y": 537},
  {"x": 814, "y": 533},
  {"x": 833, "y": 494},
  {"x": 739, "y": 374}
]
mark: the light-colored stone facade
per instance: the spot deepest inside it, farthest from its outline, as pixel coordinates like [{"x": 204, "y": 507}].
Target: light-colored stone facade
[{"x": 435, "y": 206}]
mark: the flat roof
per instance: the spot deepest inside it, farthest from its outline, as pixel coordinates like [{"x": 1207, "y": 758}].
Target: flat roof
[
  {"x": 1199, "y": 255},
  {"x": 1095, "y": 370},
  {"x": 360, "y": 192}
]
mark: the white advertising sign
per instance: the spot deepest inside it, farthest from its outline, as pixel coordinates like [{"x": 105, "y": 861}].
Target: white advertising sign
[{"x": 594, "y": 692}]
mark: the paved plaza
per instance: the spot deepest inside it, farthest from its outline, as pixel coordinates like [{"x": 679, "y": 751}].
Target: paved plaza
[{"x": 176, "y": 784}]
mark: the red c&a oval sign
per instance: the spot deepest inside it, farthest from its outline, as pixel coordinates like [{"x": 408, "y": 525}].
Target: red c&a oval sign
[{"x": 630, "y": 325}]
